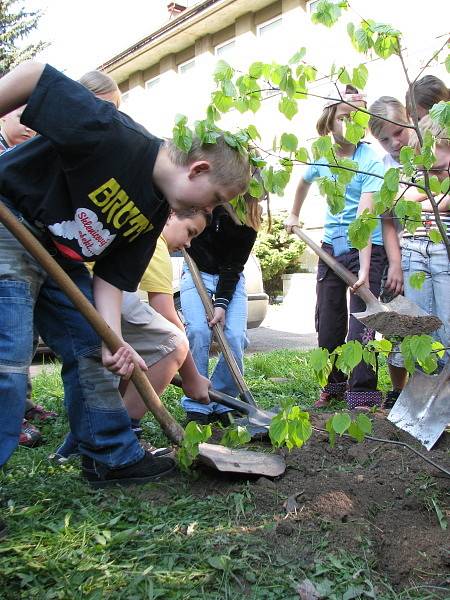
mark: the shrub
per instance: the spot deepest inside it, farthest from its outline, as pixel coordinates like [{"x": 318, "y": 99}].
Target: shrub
[{"x": 278, "y": 253}]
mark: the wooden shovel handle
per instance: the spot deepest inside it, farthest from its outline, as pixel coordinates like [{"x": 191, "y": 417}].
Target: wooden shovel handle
[
  {"x": 347, "y": 276},
  {"x": 172, "y": 429},
  {"x": 218, "y": 331}
]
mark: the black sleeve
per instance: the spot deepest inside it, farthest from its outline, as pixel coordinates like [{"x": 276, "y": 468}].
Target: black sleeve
[
  {"x": 66, "y": 113},
  {"x": 231, "y": 269},
  {"x": 125, "y": 266}
]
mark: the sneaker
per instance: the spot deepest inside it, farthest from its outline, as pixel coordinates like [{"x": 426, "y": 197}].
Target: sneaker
[
  {"x": 38, "y": 413},
  {"x": 147, "y": 469},
  {"x": 391, "y": 398},
  {"x": 157, "y": 452},
  {"x": 197, "y": 417},
  {"x": 30, "y": 436},
  {"x": 3, "y": 529}
]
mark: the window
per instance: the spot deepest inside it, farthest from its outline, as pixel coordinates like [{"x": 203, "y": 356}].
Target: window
[
  {"x": 151, "y": 84},
  {"x": 225, "y": 49},
  {"x": 125, "y": 97},
  {"x": 269, "y": 27},
  {"x": 187, "y": 66}
]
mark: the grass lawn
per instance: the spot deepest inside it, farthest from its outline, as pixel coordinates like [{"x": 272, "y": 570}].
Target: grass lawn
[{"x": 180, "y": 539}]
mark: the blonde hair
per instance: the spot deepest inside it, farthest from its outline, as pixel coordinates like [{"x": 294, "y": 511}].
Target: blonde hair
[
  {"x": 386, "y": 107},
  {"x": 436, "y": 130},
  {"x": 228, "y": 166},
  {"x": 99, "y": 83},
  {"x": 253, "y": 212},
  {"x": 427, "y": 91}
]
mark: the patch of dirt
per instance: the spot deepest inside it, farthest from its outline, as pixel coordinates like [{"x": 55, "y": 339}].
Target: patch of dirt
[{"x": 372, "y": 495}]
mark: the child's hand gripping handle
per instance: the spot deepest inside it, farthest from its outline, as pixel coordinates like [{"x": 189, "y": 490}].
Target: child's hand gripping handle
[
  {"x": 347, "y": 276},
  {"x": 153, "y": 403}
]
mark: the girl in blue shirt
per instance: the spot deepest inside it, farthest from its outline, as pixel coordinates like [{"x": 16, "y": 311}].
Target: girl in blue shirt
[{"x": 332, "y": 321}]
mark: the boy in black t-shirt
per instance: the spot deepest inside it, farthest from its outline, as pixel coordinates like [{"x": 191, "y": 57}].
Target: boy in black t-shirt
[{"x": 95, "y": 186}]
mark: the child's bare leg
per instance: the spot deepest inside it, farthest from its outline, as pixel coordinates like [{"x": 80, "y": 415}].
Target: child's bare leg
[{"x": 160, "y": 375}]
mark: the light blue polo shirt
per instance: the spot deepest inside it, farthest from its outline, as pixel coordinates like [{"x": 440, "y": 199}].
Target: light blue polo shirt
[{"x": 368, "y": 161}]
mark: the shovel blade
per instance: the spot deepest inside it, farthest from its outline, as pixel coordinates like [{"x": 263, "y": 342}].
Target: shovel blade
[
  {"x": 246, "y": 462},
  {"x": 400, "y": 317},
  {"x": 423, "y": 408}
]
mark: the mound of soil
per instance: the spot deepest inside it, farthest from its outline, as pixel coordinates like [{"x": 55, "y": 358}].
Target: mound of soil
[{"x": 373, "y": 495}]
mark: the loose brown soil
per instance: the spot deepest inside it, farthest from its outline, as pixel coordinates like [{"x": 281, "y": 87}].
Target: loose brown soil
[{"x": 372, "y": 495}]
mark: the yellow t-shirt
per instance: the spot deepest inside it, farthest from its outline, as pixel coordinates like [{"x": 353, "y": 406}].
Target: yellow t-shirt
[{"x": 159, "y": 273}]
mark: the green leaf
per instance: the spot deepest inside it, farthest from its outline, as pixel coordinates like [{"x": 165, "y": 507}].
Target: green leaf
[
  {"x": 435, "y": 185},
  {"x": 360, "y": 118},
  {"x": 221, "y": 101},
  {"x": 255, "y": 188},
  {"x": 407, "y": 160},
  {"x": 440, "y": 113},
  {"x": 221, "y": 563},
  {"x": 278, "y": 431},
  {"x": 321, "y": 146},
  {"x": 228, "y": 88},
  {"x": 364, "y": 423},
  {"x": 223, "y": 71},
  {"x": 254, "y": 103},
  {"x": 341, "y": 422},
  {"x": 435, "y": 236},
  {"x": 298, "y": 56},
  {"x": 334, "y": 193},
  {"x": 445, "y": 186},
  {"x": 302, "y": 155},
  {"x": 241, "y": 104},
  {"x": 355, "y": 432},
  {"x": 288, "y": 142},
  {"x": 319, "y": 361},
  {"x": 447, "y": 63},
  {"x": 327, "y": 12},
  {"x": 253, "y": 132},
  {"x": 391, "y": 179},
  {"x": 416, "y": 280},
  {"x": 344, "y": 77},
  {"x": 361, "y": 228},
  {"x": 353, "y": 132},
  {"x": 409, "y": 213},
  {"x": 360, "y": 77},
  {"x": 280, "y": 181},
  {"x": 361, "y": 40},
  {"x": 369, "y": 358},
  {"x": 256, "y": 69},
  {"x": 235, "y": 436},
  {"x": 350, "y": 355},
  {"x": 288, "y": 107},
  {"x": 180, "y": 119}
]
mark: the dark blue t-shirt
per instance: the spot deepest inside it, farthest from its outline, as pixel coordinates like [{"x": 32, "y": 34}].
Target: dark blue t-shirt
[{"x": 87, "y": 179}]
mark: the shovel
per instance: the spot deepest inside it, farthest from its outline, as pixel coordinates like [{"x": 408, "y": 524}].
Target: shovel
[
  {"x": 400, "y": 317},
  {"x": 223, "y": 459},
  {"x": 423, "y": 407},
  {"x": 257, "y": 417},
  {"x": 244, "y": 392}
]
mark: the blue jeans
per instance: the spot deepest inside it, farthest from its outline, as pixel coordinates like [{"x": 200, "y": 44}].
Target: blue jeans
[
  {"x": 200, "y": 336},
  {"x": 97, "y": 416},
  {"x": 433, "y": 297}
]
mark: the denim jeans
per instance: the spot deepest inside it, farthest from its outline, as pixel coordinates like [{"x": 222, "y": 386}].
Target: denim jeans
[
  {"x": 420, "y": 254},
  {"x": 200, "y": 336},
  {"x": 96, "y": 413}
]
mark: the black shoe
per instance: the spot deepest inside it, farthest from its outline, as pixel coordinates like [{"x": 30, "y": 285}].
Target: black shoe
[
  {"x": 149, "y": 468},
  {"x": 224, "y": 418},
  {"x": 391, "y": 398},
  {"x": 3, "y": 529},
  {"x": 197, "y": 417}
]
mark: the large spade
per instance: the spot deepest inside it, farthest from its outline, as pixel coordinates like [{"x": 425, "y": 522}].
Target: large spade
[
  {"x": 218, "y": 457},
  {"x": 423, "y": 407},
  {"x": 400, "y": 317}
]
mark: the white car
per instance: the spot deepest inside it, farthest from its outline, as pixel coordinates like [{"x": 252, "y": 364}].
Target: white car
[{"x": 258, "y": 300}]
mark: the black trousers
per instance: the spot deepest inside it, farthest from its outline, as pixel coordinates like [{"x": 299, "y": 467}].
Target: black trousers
[{"x": 332, "y": 314}]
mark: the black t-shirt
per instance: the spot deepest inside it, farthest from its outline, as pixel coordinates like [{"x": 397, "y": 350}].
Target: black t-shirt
[
  {"x": 87, "y": 180},
  {"x": 223, "y": 249}
]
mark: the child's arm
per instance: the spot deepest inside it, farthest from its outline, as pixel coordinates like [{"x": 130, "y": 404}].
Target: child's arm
[
  {"x": 17, "y": 86},
  {"x": 394, "y": 281},
  {"x": 108, "y": 302},
  {"x": 195, "y": 386},
  {"x": 366, "y": 201},
  {"x": 300, "y": 195},
  {"x": 415, "y": 195}
]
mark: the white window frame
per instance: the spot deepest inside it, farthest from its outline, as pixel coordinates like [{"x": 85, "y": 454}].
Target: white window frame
[
  {"x": 224, "y": 45},
  {"x": 152, "y": 83},
  {"x": 185, "y": 64},
  {"x": 261, "y": 26}
]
